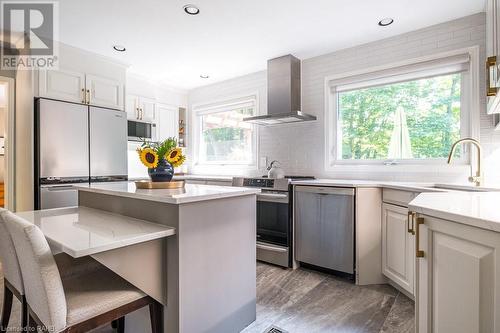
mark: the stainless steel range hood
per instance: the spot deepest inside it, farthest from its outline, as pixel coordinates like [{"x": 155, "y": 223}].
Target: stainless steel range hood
[{"x": 283, "y": 93}]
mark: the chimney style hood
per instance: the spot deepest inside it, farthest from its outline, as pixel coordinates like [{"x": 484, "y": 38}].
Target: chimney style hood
[{"x": 283, "y": 93}]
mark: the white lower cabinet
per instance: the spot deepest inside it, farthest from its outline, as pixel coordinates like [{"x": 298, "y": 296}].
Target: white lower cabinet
[
  {"x": 398, "y": 247},
  {"x": 458, "y": 278}
]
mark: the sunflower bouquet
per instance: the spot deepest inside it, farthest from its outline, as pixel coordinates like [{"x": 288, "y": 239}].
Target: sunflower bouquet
[{"x": 161, "y": 157}]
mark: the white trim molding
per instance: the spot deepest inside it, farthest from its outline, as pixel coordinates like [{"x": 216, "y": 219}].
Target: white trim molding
[{"x": 470, "y": 109}]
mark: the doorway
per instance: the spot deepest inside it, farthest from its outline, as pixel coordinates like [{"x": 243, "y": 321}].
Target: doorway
[{"x": 7, "y": 127}]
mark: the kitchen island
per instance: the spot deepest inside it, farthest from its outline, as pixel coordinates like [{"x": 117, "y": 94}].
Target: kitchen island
[{"x": 205, "y": 273}]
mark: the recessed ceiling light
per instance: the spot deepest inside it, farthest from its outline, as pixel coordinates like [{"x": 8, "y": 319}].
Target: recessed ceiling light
[
  {"x": 204, "y": 76},
  {"x": 119, "y": 48},
  {"x": 191, "y": 9},
  {"x": 385, "y": 22}
]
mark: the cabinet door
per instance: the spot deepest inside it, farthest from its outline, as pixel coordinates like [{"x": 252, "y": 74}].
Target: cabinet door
[
  {"x": 62, "y": 85},
  {"x": 168, "y": 121},
  {"x": 457, "y": 279},
  {"x": 492, "y": 49},
  {"x": 104, "y": 92},
  {"x": 398, "y": 247},
  {"x": 132, "y": 107},
  {"x": 147, "y": 109}
]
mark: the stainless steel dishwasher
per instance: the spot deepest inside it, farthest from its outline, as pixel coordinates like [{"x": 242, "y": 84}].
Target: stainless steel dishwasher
[{"x": 324, "y": 227}]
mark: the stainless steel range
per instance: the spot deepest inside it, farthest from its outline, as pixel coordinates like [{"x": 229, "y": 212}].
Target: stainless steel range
[{"x": 274, "y": 218}]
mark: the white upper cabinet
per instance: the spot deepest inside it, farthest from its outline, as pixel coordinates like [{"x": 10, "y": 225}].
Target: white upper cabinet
[
  {"x": 147, "y": 108},
  {"x": 62, "y": 85},
  {"x": 493, "y": 55},
  {"x": 167, "y": 121},
  {"x": 398, "y": 247},
  {"x": 457, "y": 278},
  {"x": 132, "y": 107},
  {"x": 81, "y": 88},
  {"x": 141, "y": 108},
  {"x": 104, "y": 92}
]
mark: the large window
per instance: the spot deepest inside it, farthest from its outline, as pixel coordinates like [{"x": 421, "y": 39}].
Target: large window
[
  {"x": 223, "y": 137},
  {"x": 405, "y": 114},
  {"x": 418, "y": 119}
]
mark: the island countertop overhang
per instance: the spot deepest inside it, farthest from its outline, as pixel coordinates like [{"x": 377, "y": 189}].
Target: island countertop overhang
[{"x": 191, "y": 192}]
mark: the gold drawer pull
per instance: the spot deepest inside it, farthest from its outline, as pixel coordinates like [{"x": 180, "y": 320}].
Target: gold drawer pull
[
  {"x": 411, "y": 216},
  {"x": 418, "y": 253},
  {"x": 491, "y": 89}
]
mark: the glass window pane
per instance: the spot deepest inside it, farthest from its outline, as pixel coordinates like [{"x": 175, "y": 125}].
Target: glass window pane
[
  {"x": 410, "y": 120},
  {"x": 225, "y": 138}
]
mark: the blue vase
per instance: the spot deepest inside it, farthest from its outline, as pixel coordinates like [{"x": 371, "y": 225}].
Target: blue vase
[{"x": 163, "y": 172}]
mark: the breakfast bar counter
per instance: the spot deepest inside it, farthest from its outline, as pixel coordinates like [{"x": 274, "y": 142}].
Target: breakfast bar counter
[{"x": 193, "y": 249}]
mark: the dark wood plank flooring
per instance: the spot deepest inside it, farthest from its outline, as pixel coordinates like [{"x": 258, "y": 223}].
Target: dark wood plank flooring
[{"x": 308, "y": 301}]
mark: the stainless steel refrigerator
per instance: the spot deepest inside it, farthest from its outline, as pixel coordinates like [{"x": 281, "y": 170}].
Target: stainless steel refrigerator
[{"x": 76, "y": 144}]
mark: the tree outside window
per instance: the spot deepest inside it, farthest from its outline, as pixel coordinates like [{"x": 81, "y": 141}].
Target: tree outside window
[{"x": 369, "y": 119}]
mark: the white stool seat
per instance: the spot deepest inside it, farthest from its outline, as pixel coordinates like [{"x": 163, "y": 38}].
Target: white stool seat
[{"x": 89, "y": 295}]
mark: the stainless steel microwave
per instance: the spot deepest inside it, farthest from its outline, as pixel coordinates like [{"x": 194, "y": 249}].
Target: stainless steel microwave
[{"x": 140, "y": 130}]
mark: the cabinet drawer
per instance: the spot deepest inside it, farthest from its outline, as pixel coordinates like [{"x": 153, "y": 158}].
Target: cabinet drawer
[{"x": 398, "y": 197}]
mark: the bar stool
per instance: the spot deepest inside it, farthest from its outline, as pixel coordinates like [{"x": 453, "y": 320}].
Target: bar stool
[
  {"x": 13, "y": 281},
  {"x": 76, "y": 304}
]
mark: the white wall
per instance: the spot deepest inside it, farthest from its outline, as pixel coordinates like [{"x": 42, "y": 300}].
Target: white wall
[{"x": 300, "y": 147}]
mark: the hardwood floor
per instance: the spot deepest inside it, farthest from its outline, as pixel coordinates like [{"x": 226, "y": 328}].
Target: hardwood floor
[{"x": 308, "y": 301}]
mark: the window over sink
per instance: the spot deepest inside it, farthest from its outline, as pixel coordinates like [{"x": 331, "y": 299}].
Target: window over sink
[
  {"x": 222, "y": 137},
  {"x": 416, "y": 119},
  {"x": 409, "y": 113}
]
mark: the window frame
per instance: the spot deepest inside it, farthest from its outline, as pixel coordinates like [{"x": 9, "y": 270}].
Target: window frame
[
  {"x": 469, "y": 121},
  {"x": 223, "y": 105}
]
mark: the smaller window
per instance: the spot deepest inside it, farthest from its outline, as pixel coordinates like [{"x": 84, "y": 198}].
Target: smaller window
[{"x": 224, "y": 138}]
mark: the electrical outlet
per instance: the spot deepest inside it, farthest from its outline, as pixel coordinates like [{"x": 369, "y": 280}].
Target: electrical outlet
[{"x": 263, "y": 162}]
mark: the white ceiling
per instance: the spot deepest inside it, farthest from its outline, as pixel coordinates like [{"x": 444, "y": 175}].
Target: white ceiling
[{"x": 230, "y": 38}]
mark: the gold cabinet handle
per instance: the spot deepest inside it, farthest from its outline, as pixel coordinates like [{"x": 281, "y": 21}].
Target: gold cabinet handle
[
  {"x": 491, "y": 63},
  {"x": 418, "y": 253},
  {"x": 411, "y": 228},
  {"x": 83, "y": 95},
  {"x": 88, "y": 96}
]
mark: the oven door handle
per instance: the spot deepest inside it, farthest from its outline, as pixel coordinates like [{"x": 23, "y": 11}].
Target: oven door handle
[
  {"x": 271, "y": 248},
  {"x": 272, "y": 197}
]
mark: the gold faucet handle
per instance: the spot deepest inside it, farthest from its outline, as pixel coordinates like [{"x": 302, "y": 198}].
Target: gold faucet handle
[{"x": 477, "y": 180}]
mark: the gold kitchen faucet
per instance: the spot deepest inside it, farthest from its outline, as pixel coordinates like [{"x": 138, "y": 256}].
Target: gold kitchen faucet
[{"x": 478, "y": 178}]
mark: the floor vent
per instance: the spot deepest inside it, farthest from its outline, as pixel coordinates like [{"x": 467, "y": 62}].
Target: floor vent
[{"x": 274, "y": 329}]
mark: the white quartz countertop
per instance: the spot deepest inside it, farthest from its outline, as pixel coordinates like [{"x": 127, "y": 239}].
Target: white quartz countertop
[
  {"x": 407, "y": 186},
  {"x": 82, "y": 231},
  {"x": 478, "y": 209},
  {"x": 191, "y": 192}
]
